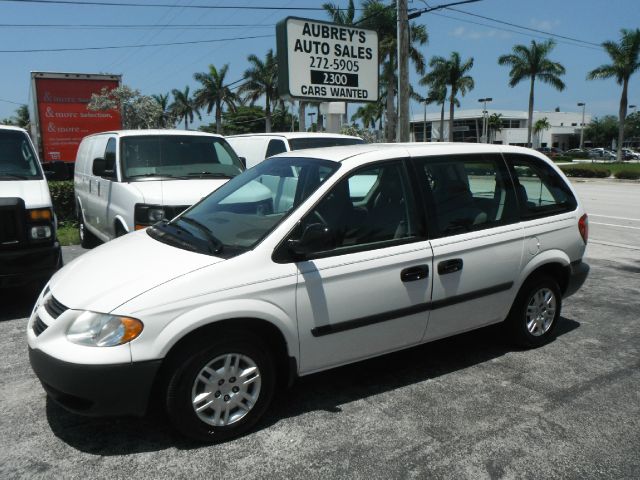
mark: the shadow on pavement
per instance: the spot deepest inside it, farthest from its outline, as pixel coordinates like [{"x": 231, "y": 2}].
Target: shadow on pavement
[
  {"x": 17, "y": 302},
  {"x": 324, "y": 391}
]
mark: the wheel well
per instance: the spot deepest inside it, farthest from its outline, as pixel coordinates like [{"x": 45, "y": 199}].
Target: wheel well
[
  {"x": 560, "y": 273},
  {"x": 261, "y": 330},
  {"x": 118, "y": 227}
]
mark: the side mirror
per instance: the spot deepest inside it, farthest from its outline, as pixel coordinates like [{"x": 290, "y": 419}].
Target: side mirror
[
  {"x": 100, "y": 168},
  {"x": 315, "y": 238}
]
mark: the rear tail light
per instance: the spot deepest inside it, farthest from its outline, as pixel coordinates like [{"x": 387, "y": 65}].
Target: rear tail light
[{"x": 583, "y": 227}]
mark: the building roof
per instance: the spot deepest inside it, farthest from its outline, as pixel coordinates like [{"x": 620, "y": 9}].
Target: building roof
[{"x": 473, "y": 113}]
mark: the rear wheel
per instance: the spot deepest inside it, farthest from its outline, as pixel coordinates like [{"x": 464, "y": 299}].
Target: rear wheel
[
  {"x": 219, "y": 390},
  {"x": 87, "y": 239},
  {"x": 535, "y": 312}
]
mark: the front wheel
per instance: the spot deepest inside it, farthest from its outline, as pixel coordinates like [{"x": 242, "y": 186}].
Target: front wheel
[
  {"x": 535, "y": 312},
  {"x": 219, "y": 391}
]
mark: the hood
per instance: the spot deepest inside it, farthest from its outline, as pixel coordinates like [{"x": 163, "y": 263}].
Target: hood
[
  {"x": 120, "y": 270},
  {"x": 35, "y": 193},
  {"x": 176, "y": 192}
]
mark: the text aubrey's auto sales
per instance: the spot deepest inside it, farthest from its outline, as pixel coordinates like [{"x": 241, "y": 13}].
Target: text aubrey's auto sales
[{"x": 327, "y": 61}]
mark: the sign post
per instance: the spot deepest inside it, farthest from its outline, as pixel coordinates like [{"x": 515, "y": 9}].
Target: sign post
[{"x": 322, "y": 61}]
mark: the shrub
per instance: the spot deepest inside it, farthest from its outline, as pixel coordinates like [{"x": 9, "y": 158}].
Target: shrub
[
  {"x": 627, "y": 174},
  {"x": 563, "y": 158},
  {"x": 63, "y": 200},
  {"x": 586, "y": 172}
]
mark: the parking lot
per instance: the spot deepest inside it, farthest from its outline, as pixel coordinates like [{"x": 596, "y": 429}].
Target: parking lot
[{"x": 465, "y": 407}]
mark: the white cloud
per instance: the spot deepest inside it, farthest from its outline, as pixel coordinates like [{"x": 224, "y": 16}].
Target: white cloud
[
  {"x": 546, "y": 25},
  {"x": 463, "y": 32}
]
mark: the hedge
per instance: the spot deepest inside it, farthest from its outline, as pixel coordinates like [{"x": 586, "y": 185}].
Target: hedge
[
  {"x": 627, "y": 174},
  {"x": 63, "y": 200},
  {"x": 586, "y": 172}
]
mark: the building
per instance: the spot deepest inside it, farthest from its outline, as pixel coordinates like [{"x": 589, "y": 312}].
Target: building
[{"x": 564, "y": 132}]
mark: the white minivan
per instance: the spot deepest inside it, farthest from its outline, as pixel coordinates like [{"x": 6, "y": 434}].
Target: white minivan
[
  {"x": 29, "y": 250},
  {"x": 127, "y": 180},
  {"x": 211, "y": 313},
  {"x": 255, "y": 147}
]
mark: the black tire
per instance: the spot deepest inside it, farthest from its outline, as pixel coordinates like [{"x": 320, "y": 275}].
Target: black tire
[
  {"x": 532, "y": 330},
  {"x": 87, "y": 239},
  {"x": 183, "y": 380}
]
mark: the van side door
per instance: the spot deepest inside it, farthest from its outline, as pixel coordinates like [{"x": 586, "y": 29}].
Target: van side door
[
  {"x": 104, "y": 214},
  {"x": 476, "y": 237},
  {"x": 90, "y": 207}
]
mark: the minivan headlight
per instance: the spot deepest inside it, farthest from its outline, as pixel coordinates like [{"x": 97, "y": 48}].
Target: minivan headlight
[{"x": 103, "y": 330}]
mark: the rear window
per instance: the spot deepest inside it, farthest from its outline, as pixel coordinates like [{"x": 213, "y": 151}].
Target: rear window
[
  {"x": 178, "y": 156},
  {"x": 17, "y": 159},
  {"x": 302, "y": 143}
]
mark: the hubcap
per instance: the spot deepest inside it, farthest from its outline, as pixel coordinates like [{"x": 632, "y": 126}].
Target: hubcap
[
  {"x": 226, "y": 389},
  {"x": 541, "y": 310},
  {"x": 81, "y": 230}
]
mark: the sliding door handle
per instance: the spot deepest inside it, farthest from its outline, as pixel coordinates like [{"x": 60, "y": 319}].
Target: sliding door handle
[
  {"x": 412, "y": 274},
  {"x": 450, "y": 266}
]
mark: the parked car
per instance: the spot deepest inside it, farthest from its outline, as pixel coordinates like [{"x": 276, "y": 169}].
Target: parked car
[
  {"x": 129, "y": 179},
  {"x": 550, "y": 151},
  {"x": 602, "y": 154},
  {"x": 285, "y": 271},
  {"x": 577, "y": 153},
  {"x": 29, "y": 250},
  {"x": 628, "y": 154},
  {"x": 255, "y": 147}
]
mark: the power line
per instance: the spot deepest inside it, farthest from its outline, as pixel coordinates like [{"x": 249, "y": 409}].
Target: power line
[
  {"x": 132, "y": 26},
  {"x": 114, "y": 47},
  {"x": 162, "y": 5},
  {"x": 9, "y": 101}
]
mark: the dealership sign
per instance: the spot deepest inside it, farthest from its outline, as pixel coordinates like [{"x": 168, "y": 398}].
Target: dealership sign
[{"x": 326, "y": 61}]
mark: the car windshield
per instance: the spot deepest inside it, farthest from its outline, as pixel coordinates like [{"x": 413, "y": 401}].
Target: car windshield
[
  {"x": 319, "y": 142},
  {"x": 242, "y": 212},
  {"x": 178, "y": 156},
  {"x": 17, "y": 159}
]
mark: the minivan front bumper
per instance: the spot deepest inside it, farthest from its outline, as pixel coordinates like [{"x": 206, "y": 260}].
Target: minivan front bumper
[
  {"x": 96, "y": 390},
  {"x": 577, "y": 276}
]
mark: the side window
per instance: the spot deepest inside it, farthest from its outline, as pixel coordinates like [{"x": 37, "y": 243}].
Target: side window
[
  {"x": 468, "y": 193},
  {"x": 371, "y": 207},
  {"x": 275, "y": 147},
  {"x": 110, "y": 157},
  {"x": 540, "y": 190}
]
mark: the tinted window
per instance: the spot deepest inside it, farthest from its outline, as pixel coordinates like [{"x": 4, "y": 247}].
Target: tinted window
[
  {"x": 275, "y": 147},
  {"x": 319, "y": 142},
  {"x": 110, "y": 156},
  {"x": 539, "y": 188},
  {"x": 467, "y": 193},
  {"x": 370, "y": 207},
  {"x": 17, "y": 160},
  {"x": 178, "y": 156}
]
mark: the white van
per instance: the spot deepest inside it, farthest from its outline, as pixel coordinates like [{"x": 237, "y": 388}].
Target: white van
[
  {"x": 130, "y": 179},
  {"x": 29, "y": 251},
  {"x": 255, "y": 147},
  {"x": 212, "y": 313}
]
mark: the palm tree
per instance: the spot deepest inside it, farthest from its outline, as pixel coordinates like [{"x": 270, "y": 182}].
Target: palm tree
[
  {"x": 436, "y": 81},
  {"x": 540, "y": 126},
  {"x": 533, "y": 63},
  {"x": 261, "y": 80},
  {"x": 165, "y": 117},
  {"x": 453, "y": 73},
  {"x": 183, "y": 106},
  {"x": 369, "y": 114},
  {"x": 214, "y": 93},
  {"x": 625, "y": 63},
  {"x": 382, "y": 18},
  {"x": 494, "y": 124}
]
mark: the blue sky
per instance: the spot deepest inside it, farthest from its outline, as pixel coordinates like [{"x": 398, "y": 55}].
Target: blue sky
[{"x": 159, "y": 69}]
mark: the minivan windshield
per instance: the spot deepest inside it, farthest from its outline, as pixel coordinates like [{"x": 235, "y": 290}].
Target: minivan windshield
[
  {"x": 238, "y": 215},
  {"x": 178, "y": 156},
  {"x": 17, "y": 159},
  {"x": 319, "y": 142}
]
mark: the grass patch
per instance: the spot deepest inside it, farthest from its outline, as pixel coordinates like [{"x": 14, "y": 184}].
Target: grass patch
[{"x": 68, "y": 233}]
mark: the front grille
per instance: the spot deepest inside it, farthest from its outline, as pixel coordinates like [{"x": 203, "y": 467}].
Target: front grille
[
  {"x": 54, "y": 307},
  {"x": 39, "y": 326},
  {"x": 11, "y": 212}
]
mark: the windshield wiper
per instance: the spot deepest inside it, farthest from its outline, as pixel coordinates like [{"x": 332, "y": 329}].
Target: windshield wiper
[
  {"x": 215, "y": 245},
  {"x": 209, "y": 174}
]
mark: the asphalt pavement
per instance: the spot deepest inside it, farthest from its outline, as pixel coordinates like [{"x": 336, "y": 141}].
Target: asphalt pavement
[{"x": 467, "y": 407}]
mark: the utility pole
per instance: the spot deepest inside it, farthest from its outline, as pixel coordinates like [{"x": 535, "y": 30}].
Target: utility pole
[
  {"x": 582, "y": 104},
  {"x": 403, "y": 16},
  {"x": 484, "y": 117},
  {"x": 403, "y": 73}
]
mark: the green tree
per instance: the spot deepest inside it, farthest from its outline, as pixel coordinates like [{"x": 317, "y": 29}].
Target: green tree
[
  {"x": 624, "y": 57},
  {"x": 632, "y": 126},
  {"x": 20, "y": 119},
  {"x": 601, "y": 131},
  {"x": 244, "y": 119},
  {"x": 453, "y": 72},
  {"x": 261, "y": 80},
  {"x": 184, "y": 106},
  {"x": 540, "y": 126},
  {"x": 382, "y": 18},
  {"x": 368, "y": 114},
  {"x": 166, "y": 119},
  {"x": 436, "y": 80},
  {"x": 533, "y": 63},
  {"x": 214, "y": 93},
  {"x": 137, "y": 110},
  {"x": 494, "y": 125}
]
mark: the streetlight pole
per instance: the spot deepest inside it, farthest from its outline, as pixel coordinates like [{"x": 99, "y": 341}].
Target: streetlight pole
[
  {"x": 582, "y": 104},
  {"x": 484, "y": 117}
]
